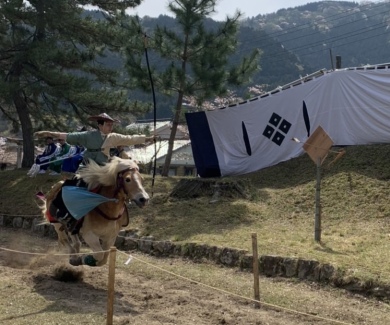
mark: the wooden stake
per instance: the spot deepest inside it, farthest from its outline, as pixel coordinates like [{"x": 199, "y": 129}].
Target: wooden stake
[
  {"x": 111, "y": 286},
  {"x": 317, "y": 220},
  {"x": 256, "y": 271}
]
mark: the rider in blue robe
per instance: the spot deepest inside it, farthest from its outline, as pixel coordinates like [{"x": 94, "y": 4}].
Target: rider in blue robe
[{"x": 50, "y": 151}]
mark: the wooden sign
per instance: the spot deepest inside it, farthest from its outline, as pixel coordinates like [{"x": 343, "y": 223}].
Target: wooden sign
[{"x": 318, "y": 144}]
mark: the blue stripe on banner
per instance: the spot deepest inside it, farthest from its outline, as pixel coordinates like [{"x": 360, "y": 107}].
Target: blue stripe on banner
[
  {"x": 246, "y": 140},
  {"x": 306, "y": 118},
  {"x": 203, "y": 149}
]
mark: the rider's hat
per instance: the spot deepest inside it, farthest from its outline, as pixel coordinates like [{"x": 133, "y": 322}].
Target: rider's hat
[{"x": 102, "y": 117}]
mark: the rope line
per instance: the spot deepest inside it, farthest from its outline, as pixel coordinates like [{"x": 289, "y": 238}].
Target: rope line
[
  {"x": 46, "y": 254},
  {"x": 289, "y": 251},
  {"x": 21, "y": 215},
  {"x": 283, "y": 250},
  {"x": 234, "y": 294}
]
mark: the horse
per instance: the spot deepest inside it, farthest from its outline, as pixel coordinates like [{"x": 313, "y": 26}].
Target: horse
[{"x": 119, "y": 179}]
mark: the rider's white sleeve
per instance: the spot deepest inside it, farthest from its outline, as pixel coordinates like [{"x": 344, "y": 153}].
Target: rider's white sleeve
[{"x": 116, "y": 139}]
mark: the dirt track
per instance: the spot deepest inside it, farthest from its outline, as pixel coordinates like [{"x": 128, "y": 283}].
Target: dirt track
[{"x": 144, "y": 295}]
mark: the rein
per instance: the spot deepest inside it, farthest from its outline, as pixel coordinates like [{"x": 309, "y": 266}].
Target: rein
[
  {"x": 105, "y": 216},
  {"x": 119, "y": 186}
]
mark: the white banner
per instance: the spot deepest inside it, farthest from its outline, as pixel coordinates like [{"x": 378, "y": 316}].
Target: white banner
[{"x": 351, "y": 105}]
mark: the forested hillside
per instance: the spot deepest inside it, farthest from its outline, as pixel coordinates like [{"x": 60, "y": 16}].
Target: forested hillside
[
  {"x": 298, "y": 41},
  {"x": 294, "y": 42},
  {"x": 271, "y": 75},
  {"x": 359, "y": 33}
]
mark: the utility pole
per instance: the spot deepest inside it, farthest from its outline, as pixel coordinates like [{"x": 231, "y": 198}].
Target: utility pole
[
  {"x": 331, "y": 58},
  {"x": 338, "y": 62}
]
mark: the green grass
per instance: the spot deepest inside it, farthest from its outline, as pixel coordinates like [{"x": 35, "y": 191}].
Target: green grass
[{"x": 280, "y": 208}]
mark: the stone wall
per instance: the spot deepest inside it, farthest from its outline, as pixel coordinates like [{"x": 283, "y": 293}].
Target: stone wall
[{"x": 270, "y": 266}]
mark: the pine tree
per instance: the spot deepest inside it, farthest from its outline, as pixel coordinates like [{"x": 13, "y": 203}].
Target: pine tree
[
  {"x": 50, "y": 64},
  {"x": 199, "y": 58}
]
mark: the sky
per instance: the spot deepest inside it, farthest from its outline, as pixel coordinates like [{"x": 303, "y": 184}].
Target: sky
[{"x": 249, "y": 8}]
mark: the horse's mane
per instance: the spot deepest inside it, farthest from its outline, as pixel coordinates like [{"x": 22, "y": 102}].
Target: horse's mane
[{"x": 95, "y": 175}]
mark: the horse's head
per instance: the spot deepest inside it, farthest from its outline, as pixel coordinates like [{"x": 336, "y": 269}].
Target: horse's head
[
  {"x": 123, "y": 174},
  {"x": 130, "y": 180}
]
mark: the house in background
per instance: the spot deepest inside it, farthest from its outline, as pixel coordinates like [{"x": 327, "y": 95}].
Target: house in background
[
  {"x": 163, "y": 129},
  {"x": 182, "y": 162}
]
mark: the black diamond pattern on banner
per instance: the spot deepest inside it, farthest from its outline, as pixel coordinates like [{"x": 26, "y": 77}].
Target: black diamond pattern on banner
[
  {"x": 277, "y": 129},
  {"x": 269, "y": 130},
  {"x": 285, "y": 126},
  {"x": 278, "y": 138},
  {"x": 275, "y": 119}
]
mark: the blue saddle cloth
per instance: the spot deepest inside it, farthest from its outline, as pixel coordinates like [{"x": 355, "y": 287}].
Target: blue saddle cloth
[{"x": 79, "y": 201}]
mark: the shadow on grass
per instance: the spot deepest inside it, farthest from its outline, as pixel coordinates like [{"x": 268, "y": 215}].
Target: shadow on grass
[
  {"x": 79, "y": 296},
  {"x": 325, "y": 249}
]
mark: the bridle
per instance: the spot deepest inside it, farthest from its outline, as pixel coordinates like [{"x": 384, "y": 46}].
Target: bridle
[{"x": 120, "y": 185}]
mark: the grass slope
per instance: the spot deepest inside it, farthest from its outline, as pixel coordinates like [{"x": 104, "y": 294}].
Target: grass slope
[{"x": 280, "y": 208}]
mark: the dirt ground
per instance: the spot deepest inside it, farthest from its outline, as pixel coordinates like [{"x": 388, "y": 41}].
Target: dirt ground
[{"x": 31, "y": 294}]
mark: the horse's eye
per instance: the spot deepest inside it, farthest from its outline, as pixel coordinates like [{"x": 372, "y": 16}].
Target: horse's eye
[{"x": 128, "y": 180}]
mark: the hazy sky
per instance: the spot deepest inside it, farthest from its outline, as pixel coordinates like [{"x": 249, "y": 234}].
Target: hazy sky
[{"x": 154, "y": 8}]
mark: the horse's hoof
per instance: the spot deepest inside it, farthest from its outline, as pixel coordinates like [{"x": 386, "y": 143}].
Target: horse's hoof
[
  {"x": 75, "y": 261},
  {"x": 89, "y": 260}
]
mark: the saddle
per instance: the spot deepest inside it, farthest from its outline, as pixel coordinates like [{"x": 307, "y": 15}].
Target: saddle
[
  {"x": 69, "y": 224},
  {"x": 57, "y": 211}
]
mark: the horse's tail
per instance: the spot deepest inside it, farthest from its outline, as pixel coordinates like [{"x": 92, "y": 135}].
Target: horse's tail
[
  {"x": 40, "y": 195},
  {"x": 47, "y": 199}
]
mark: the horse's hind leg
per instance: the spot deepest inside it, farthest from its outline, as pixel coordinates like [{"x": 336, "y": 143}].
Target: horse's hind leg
[
  {"x": 70, "y": 242},
  {"x": 63, "y": 239},
  {"x": 76, "y": 244}
]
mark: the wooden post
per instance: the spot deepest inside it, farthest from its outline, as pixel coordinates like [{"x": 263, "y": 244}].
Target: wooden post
[
  {"x": 317, "y": 221},
  {"x": 18, "y": 157},
  {"x": 255, "y": 270},
  {"x": 111, "y": 286},
  {"x": 317, "y": 146}
]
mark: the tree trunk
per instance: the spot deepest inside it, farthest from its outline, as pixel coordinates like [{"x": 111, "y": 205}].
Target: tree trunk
[
  {"x": 19, "y": 98},
  {"x": 27, "y": 131},
  {"x": 172, "y": 136},
  {"x": 179, "y": 104},
  {"x": 24, "y": 117}
]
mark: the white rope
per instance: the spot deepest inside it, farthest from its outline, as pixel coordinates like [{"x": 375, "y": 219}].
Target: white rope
[
  {"x": 49, "y": 254},
  {"x": 289, "y": 310}
]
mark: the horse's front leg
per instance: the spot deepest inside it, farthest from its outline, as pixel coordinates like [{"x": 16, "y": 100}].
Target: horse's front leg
[
  {"x": 107, "y": 243},
  {"x": 96, "y": 259}
]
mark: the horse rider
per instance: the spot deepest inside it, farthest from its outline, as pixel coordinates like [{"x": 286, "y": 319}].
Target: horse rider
[{"x": 97, "y": 144}]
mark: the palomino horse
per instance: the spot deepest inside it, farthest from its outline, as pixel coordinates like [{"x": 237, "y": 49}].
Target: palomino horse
[{"x": 119, "y": 179}]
